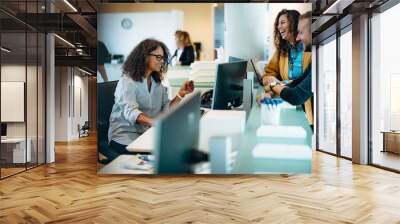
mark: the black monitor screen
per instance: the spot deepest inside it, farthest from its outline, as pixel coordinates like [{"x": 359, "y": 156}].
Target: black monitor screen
[
  {"x": 3, "y": 129},
  {"x": 228, "y": 89}
]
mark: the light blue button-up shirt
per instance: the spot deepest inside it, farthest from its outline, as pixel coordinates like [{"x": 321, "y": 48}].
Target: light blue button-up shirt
[{"x": 131, "y": 99}]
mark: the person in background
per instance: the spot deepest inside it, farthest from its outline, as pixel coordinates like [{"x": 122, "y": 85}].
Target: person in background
[
  {"x": 184, "y": 54},
  {"x": 299, "y": 90},
  {"x": 139, "y": 95}
]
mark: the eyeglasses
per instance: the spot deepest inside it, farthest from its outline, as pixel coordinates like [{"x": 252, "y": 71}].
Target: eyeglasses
[{"x": 158, "y": 57}]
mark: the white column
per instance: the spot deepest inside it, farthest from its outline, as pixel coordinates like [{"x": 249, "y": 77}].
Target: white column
[
  {"x": 360, "y": 90},
  {"x": 50, "y": 101},
  {"x": 50, "y": 92}
]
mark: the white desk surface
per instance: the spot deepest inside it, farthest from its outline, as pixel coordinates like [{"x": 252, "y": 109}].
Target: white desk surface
[
  {"x": 250, "y": 159},
  {"x": 117, "y": 166},
  {"x": 144, "y": 143},
  {"x": 13, "y": 140}
]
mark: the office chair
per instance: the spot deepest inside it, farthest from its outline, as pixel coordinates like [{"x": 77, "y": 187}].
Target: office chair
[
  {"x": 105, "y": 102},
  {"x": 84, "y": 129}
]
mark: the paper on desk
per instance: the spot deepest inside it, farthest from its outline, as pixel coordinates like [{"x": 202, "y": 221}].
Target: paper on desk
[
  {"x": 282, "y": 151},
  {"x": 281, "y": 131},
  {"x": 134, "y": 163}
]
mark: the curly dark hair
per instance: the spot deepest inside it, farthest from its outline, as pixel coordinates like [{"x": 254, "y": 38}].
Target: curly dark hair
[
  {"x": 136, "y": 63},
  {"x": 282, "y": 45}
]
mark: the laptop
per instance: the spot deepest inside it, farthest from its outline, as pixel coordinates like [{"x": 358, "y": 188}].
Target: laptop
[{"x": 259, "y": 77}]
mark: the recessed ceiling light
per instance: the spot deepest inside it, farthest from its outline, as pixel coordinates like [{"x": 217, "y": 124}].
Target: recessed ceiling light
[
  {"x": 70, "y": 5},
  {"x": 86, "y": 72},
  {"x": 5, "y": 50},
  {"x": 64, "y": 40}
]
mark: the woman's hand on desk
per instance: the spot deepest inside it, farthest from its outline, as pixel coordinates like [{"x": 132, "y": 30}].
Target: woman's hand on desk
[{"x": 144, "y": 120}]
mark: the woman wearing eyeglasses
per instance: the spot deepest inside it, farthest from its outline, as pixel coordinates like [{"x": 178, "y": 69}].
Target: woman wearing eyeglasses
[{"x": 139, "y": 95}]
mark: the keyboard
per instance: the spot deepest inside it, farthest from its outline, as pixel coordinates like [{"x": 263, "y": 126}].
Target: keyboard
[{"x": 203, "y": 111}]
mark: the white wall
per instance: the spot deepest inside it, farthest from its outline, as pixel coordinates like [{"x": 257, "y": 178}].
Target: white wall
[
  {"x": 245, "y": 30},
  {"x": 61, "y": 103},
  {"x": 68, "y": 82},
  {"x": 118, "y": 40},
  {"x": 33, "y": 126},
  {"x": 17, "y": 73},
  {"x": 250, "y": 35},
  {"x": 158, "y": 25}
]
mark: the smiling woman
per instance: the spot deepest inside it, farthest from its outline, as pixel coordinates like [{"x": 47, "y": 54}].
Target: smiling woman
[{"x": 289, "y": 61}]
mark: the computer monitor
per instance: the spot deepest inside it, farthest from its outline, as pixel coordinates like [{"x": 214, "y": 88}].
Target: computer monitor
[
  {"x": 257, "y": 75},
  {"x": 234, "y": 59},
  {"x": 177, "y": 134},
  {"x": 228, "y": 86},
  {"x": 3, "y": 129}
]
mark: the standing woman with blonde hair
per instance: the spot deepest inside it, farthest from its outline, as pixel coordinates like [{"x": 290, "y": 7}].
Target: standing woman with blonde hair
[{"x": 184, "y": 54}]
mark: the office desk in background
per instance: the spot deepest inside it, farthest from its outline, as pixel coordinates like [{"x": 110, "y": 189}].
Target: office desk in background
[
  {"x": 391, "y": 141},
  {"x": 279, "y": 154},
  {"x": 175, "y": 77},
  {"x": 13, "y": 150},
  {"x": 203, "y": 80}
]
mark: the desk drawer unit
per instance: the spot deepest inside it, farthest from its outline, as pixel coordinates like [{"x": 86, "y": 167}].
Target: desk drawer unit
[{"x": 391, "y": 142}]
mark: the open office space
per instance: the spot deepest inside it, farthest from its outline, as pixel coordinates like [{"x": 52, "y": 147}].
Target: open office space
[{"x": 70, "y": 153}]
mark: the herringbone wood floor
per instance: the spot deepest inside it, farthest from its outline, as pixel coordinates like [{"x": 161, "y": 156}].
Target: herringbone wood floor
[{"x": 70, "y": 191}]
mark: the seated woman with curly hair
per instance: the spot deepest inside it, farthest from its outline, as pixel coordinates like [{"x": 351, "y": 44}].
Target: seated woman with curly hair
[{"x": 140, "y": 95}]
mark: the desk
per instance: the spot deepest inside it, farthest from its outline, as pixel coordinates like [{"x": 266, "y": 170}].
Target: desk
[
  {"x": 13, "y": 150},
  {"x": 249, "y": 159},
  {"x": 117, "y": 167},
  {"x": 391, "y": 141},
  {"x": 144, "y": 143},
  {"x": 261, "y": 154}
]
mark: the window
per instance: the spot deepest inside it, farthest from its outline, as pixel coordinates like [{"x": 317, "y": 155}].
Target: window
[
  {"x": 346, "y": 93},
  {"x": 385, "y": 89},
  {"x": 327, "y": 96}
]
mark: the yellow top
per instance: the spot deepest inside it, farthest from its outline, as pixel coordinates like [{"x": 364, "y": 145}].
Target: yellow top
[{"x": 278, "y": 67}]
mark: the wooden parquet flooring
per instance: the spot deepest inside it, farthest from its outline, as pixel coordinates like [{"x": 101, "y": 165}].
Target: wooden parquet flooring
[{"x": 70, "y": 191}]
